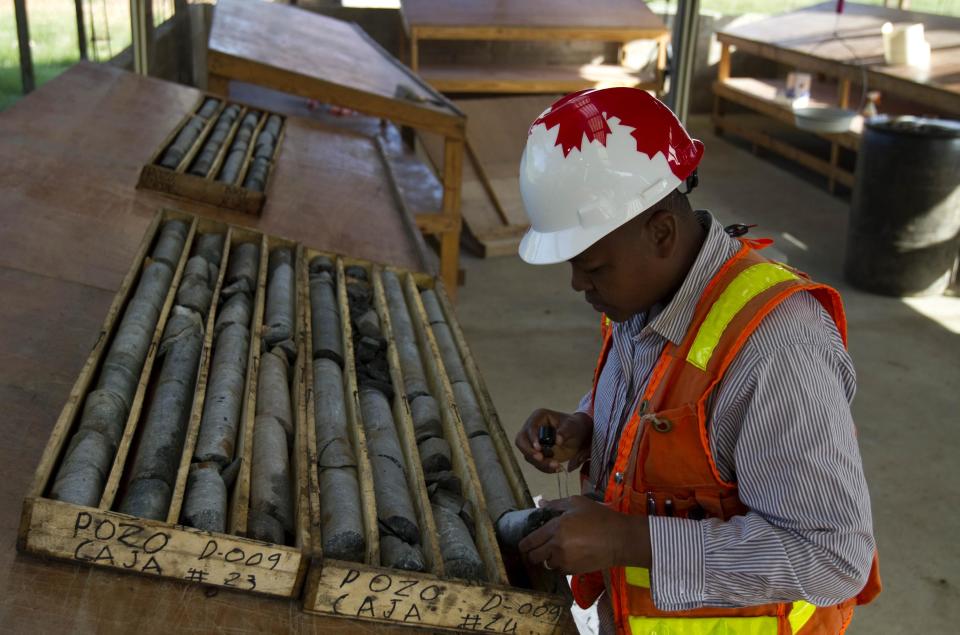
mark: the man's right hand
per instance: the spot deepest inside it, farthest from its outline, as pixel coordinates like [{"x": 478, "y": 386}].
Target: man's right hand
[{"x": 574, "y": 432}]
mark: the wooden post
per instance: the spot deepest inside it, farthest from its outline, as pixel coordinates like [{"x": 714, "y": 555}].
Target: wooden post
[
  {"x": 81, "y": 30},
  {"x": 450, "y": 238},
  {"x": 723, "y": 66},
  {"x": 843, "y": 99},
  {"x": 139, "y": 29},
  {"x": 723, "y": 74},
  {"x": 27, "y": 81},
  {"x": 414, "y": 53},
  {"x": 661, "y": 64}
]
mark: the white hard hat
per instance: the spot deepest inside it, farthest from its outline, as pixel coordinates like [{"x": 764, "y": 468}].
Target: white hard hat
[{"x": 593, "y": 161}]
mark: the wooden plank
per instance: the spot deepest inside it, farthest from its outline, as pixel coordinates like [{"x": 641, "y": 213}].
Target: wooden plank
[
  {"x": 400, "y": 597},
  {"x": 450, "y": 239},
  {"x": 611, "y": 20},
  {"x": 528, "y": 34},
  {"x": 761, "y": 95},
  {"x": 532, "y": 79},
  {"x": 153, "y": 548},
  {"x": 311, "y": 55},
  {"x": 763, "y": 139}
]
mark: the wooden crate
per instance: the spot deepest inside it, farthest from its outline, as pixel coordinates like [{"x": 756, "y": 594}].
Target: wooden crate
[
  {"x": 207, "y": 189},
  {"x": 369, "y": 591},
  {"x": 100, "y": 536}
]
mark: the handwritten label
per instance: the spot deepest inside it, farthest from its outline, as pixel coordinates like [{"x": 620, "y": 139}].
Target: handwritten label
[
  {"x": 155, "y": 548},
  {"x": 407, "y": 598}
]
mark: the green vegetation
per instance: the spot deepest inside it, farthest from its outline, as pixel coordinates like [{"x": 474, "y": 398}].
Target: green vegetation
[{"x": 53, "y": 38}]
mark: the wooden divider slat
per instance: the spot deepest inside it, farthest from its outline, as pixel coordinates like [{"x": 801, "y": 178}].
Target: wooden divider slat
[{"x": 299, "y": 398}]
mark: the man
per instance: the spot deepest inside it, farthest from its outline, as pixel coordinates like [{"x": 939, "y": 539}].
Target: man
[{"x": 724, "y": 490}]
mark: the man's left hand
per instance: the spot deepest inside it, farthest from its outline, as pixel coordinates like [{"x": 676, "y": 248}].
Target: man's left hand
[{"x": 588, "y": 536}]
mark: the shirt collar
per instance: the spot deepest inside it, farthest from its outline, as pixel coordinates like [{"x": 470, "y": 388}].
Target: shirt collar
[{"x": 673, "y": 320}]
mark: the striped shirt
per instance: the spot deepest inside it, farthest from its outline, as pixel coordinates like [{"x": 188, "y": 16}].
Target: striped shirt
[{"x": 779, "y": 424}]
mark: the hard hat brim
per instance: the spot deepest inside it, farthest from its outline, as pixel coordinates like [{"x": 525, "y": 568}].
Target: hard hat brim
[{"x": 550, "y": 248}]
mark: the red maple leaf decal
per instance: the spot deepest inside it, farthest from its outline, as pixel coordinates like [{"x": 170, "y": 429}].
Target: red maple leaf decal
[{"x": 655, "y": 127}]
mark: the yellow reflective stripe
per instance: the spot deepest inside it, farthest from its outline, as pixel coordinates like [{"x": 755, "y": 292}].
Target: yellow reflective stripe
[
  {"x": 703, "y": 625},
  {"x": 638, "y": 576},
  {"x": 748, "y": 284},
  {"x": 800, "y": 614}
]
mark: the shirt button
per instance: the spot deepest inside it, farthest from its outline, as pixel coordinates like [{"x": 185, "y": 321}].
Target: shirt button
[{"x": 618, "y": 477}]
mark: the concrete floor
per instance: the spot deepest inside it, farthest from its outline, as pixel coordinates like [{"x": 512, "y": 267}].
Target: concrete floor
[{"x": 536, "y": 342}]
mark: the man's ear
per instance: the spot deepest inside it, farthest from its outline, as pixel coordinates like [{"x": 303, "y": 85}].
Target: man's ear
[{"x": 661, "y": 232}]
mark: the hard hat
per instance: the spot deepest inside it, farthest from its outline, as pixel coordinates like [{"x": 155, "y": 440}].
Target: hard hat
[{"x": 594, "y": 160}]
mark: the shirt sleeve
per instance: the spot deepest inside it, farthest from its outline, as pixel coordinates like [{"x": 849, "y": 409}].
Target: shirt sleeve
[
  {"x": 808, "y": 534},
  {"x": 586, "y": 404}
]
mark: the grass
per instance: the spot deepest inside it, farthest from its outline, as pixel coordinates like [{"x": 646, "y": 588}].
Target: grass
[{"x": 53, "y": 39}]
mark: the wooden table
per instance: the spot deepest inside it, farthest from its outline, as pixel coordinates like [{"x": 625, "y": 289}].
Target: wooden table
[
  {"x": 531, "y": 20},
  {"x": 805, "y": 40},
  {"x": 300, "y": 52},
  {"x": 70, "y": 224}
]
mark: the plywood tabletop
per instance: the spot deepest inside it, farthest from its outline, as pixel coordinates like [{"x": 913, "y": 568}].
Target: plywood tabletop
[
  {"x": 306, "y": 53},
  {"x": 74, "y": 150},
  {"x": 854, "y": 39},
  {"x": 70, "y": 224},
  {"x": 613, "y": 16}
]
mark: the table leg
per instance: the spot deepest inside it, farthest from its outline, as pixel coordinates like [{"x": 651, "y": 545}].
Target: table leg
[
  {"x": 723, "y": 74},
  {"x": 843, "y": 98},
  {"x": 450, "y": 238},
  {"x": 415, "y": 58}
]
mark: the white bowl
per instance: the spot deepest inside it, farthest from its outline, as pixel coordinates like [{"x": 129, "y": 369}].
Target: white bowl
[{"x": 824, "y": 119}]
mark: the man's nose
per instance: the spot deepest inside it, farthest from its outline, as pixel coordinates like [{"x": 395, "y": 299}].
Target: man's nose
[{"x": 579, "y": 280}]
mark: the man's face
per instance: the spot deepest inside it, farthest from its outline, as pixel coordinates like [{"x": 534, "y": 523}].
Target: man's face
[{"x": 628, "y": 271}]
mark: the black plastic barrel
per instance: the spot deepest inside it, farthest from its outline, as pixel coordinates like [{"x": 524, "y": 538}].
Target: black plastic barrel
[{"x": 904, "y": 235}]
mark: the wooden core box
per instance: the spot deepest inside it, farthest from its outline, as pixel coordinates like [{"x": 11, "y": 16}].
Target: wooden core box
[
  {"x": 511, "y": 599},
  {"x": 101, "y": 536},
  {"x": 233, "y": 195}
]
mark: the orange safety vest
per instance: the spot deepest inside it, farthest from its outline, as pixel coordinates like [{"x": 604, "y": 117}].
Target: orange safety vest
[{"x": 664, "y": 454}]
